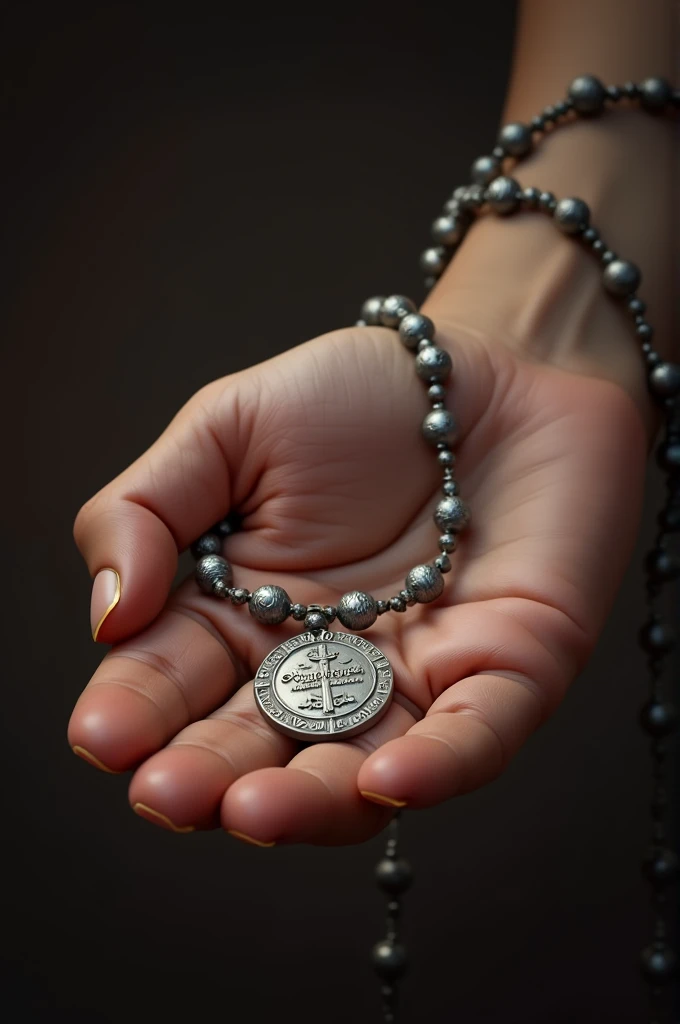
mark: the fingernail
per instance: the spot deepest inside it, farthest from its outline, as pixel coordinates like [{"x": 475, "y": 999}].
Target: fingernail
[
  {"x": 160, "y": 819},
  {"x": 94, "y": 761},
  {"x": 247, "y": 838},
  {"x": 378, "y": 798},
  {"x": 105, "y": 597}
]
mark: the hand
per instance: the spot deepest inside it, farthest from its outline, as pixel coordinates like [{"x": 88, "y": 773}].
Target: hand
[{"x": 320, "y": 450}]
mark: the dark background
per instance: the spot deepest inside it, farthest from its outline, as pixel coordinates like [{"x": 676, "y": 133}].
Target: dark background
[{"x": 188, "y": 192}]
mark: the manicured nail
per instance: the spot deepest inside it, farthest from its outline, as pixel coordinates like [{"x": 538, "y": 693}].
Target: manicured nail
[
  {"x": 105, "y": 597},
  {"x": 160, "y": 819},
  {"x": 94, "y": 761},
  {"x": 248, "y": 839},
  {"x": 378, "y": 798}
]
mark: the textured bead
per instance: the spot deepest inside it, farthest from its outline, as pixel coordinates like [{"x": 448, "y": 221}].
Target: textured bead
[
  {"x": 394, "y": 308},
  {"x": 436, "y": 393},
  {"x": 443, "y": 563},
  {"x": 662, "y": 566},
  {"x": 382, "y": 607},
  {"x": 220, "y": 589},
  {"x": 393, "y": 874},
  {"x": 621, "y": 277},
  {"x": 407, "y": 597},
  {"x": 664, "y": 380},
  {"x": 357, "y": 610},
  {"x": 448, "y": 542},
  {"x": 657, "y": 637},
  {"x": 587, "y": 95},
  {"x": 452, "y": 515},
  {"x": 661, "y": 866},
  {"x": 208, "y": 544},
  {"x": 450, "y": 488},
  {"x": 658, "y": 718},
  {"x": 485, "y": 169},
  {"x": 397, "y": 604},
  {"x": 571, "y": 216},
  {"x": 448, "y": 230},
  {"x": 389, "y": 959},
  {"x": 446, "y": 458},
  {"x": 433, "y": 261},
  {"x": 370, "y": 311},
  {"x": 439, "y": 425},
  {"x": 239, "y": 596},
  {"x": 415, "y": 328},
  {"x": 515, "y": 138},
  {"x": 211, "y": 568},
  {"x": 425, "y": 582},
  {"x": 655, "y": 94},
  {"x": 503, "y": 195},
  {"x": 315, "y": 619},
  {"x": 270, "y": 605},
  {"x": 433, "y": 364},
  {"x": 658, "y": 963},
  {"x": 330, "y": 612},
  {"x": 298, "y": 612}
]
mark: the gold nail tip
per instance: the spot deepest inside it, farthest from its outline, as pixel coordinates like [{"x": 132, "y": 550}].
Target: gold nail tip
[
  {"x": 144, "y": 811},
  {"x": 379, "y": 798},
  {"x": 248, "y": 839},
  {"x": 94, "y": 761},
  {"x": 114, "y": 602}
]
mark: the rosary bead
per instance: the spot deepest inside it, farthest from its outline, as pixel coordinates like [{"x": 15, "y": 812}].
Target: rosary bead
[
  {"x": 614, "y": 93},
  {"x": 599, "y": 246},
  {"x": 270, "y": 605},
  {"x": 314, "y": 620},
  {"x": 330, "y": 612},
  {"x": 503, "y": 195},
  {"x": 590, "y": 235},
  {"x": 210, "y": 569},
  {"x": 407, "y": 597},
  {"x": 664, "y": 380},
  {"x": 393, "y": 310},
  {"x": 448, "y": 230},
  {"x": 644, "y": 331},
  {"x": 415, "y": 328},
  {"x": 515, "y": 138},
  {"x": 448, "y": 542},
  {"x": 655, "y": 94},
  {"x": 636, "y": 307},
  {"x": 424, "y": 343},
  {"x": 658, "y": 718},
  {"x": 587, "y": 94},
  {"x": 452, "y": 515},
  {"x": 529, "y": 197},
  {"x": 662, "y": 566},
  {"x": 661, "y": 866},
  {"x": 572, "y": 216},
  {"x": 658, "y": 963},
  {"x": 425, "y": 582},
  {"x": 429, "y": 283},
  {"x": 668, "y": 455},
  {"x": 446, "y": 458},
  {"x": 436, "y": 393},
  {"x": 607, "y": 257},
  {"x": 433, "y": 364},
  {"x": 239, "y": 596},
  {"x": 485, "y": 169},
  {"x": 433, "y": 261},
  {"x": 230, "y": 524},
  {"x": 657, "y": 637},
  {"x": 443, "y": 563},
  {"x": 537, "y": 124},
  {"x": 450, "y": 488},
  {"x": 220, "y": 589},
  {"x": 357, "y": 610},
  {"x": 547, "y": 202},
  {"x": 397, "y": 604},
  {"x": 370, "y": 311},
  {"x": 382, "y": 607},
  {"x": 621, "y": 277},
  {"x": 208, "y": 544},
  {"x": 298, "y": 612},
  {"x": 439, "y": 425},
  {"x": 473, "y": 197},
  {"x": 389, "y": 959},
  {"x": 394, "y": 875}
]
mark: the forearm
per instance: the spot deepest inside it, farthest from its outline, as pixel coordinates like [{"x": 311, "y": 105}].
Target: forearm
[{"x": 518, "y": 279}]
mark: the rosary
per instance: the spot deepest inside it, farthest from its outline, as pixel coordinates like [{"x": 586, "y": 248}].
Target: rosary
[{"x": 331, "y": 685}]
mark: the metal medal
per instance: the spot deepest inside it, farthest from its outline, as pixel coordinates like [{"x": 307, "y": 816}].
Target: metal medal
[{"x": 324, "y": 686}]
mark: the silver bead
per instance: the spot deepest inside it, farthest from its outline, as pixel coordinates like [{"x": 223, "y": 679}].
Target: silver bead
[
  {"x": 587, "y": 94},
  {"x": 239, "y": 596},
  {"x": 439, "y": 425},
  {"x": 448, "y": 542},
  {"x": 425, "y": 583},
  {"x": 664, "y": 380},
  {"x": 394, "y": 308},
  {"x": 370, "y": 311},
  {"x": 443, "y": 563},
  {"x": 397, "y": 604},
  {"x": 446, "y": 458},
  {"x": 655, "y": 94},
  {"x": 357, "y": 610},
  {"x": 298, "y": 612},
  {"x": 529, "y": 197},
  {"x": 485, "y": 169},
  {"x": 515, "y": 138},
  {"x": 572, "y": 216},
  {"x": 452, "y": 515},
  {"x": 433, "y": 364},
  {"x": 547, "y": 201},
  {"x": 220, "y": 589},
  {"x": 382, "y": 607},
  {"x": 315, "y": 619},
  {"x": 448, "y": 230},
  {"x": 621, "y": 277},
  {"x": 270, "y": 605},
  {"x": 210, "y": 569},
  {"x": 433, "y": 261},
  {"x": 436, "y": 393},
  {"x": 414, "y": 328},
  {"x": 208, "y": 544},
  {"x": 503, "y": 195},
  {"x": 450, "y": 488}
]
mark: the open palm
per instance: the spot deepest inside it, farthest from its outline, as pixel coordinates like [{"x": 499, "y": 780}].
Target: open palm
[{"x": 320, "y": 451}]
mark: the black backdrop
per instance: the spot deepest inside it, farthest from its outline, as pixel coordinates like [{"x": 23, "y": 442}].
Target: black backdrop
[{"x": 188, "y": 192}]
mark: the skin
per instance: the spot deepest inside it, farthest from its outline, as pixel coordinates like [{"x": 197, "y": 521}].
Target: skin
[{"x": 320, "y": 450}]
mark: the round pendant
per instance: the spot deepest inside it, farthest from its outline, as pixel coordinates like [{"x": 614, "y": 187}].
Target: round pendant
[{"x": 324, "y": 686}]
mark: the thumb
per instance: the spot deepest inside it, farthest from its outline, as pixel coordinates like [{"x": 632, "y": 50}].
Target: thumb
[{"x": 131, "y": 532}]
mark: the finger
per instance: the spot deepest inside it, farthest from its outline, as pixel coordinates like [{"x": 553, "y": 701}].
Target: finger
[
  {"x": 467, "y": 739},
  {"x": 136, "y": 525},
  {"x": 181, "y": 787},
  {"x": 149, "y": 688},
  {"x": 315, "y": 798}
]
